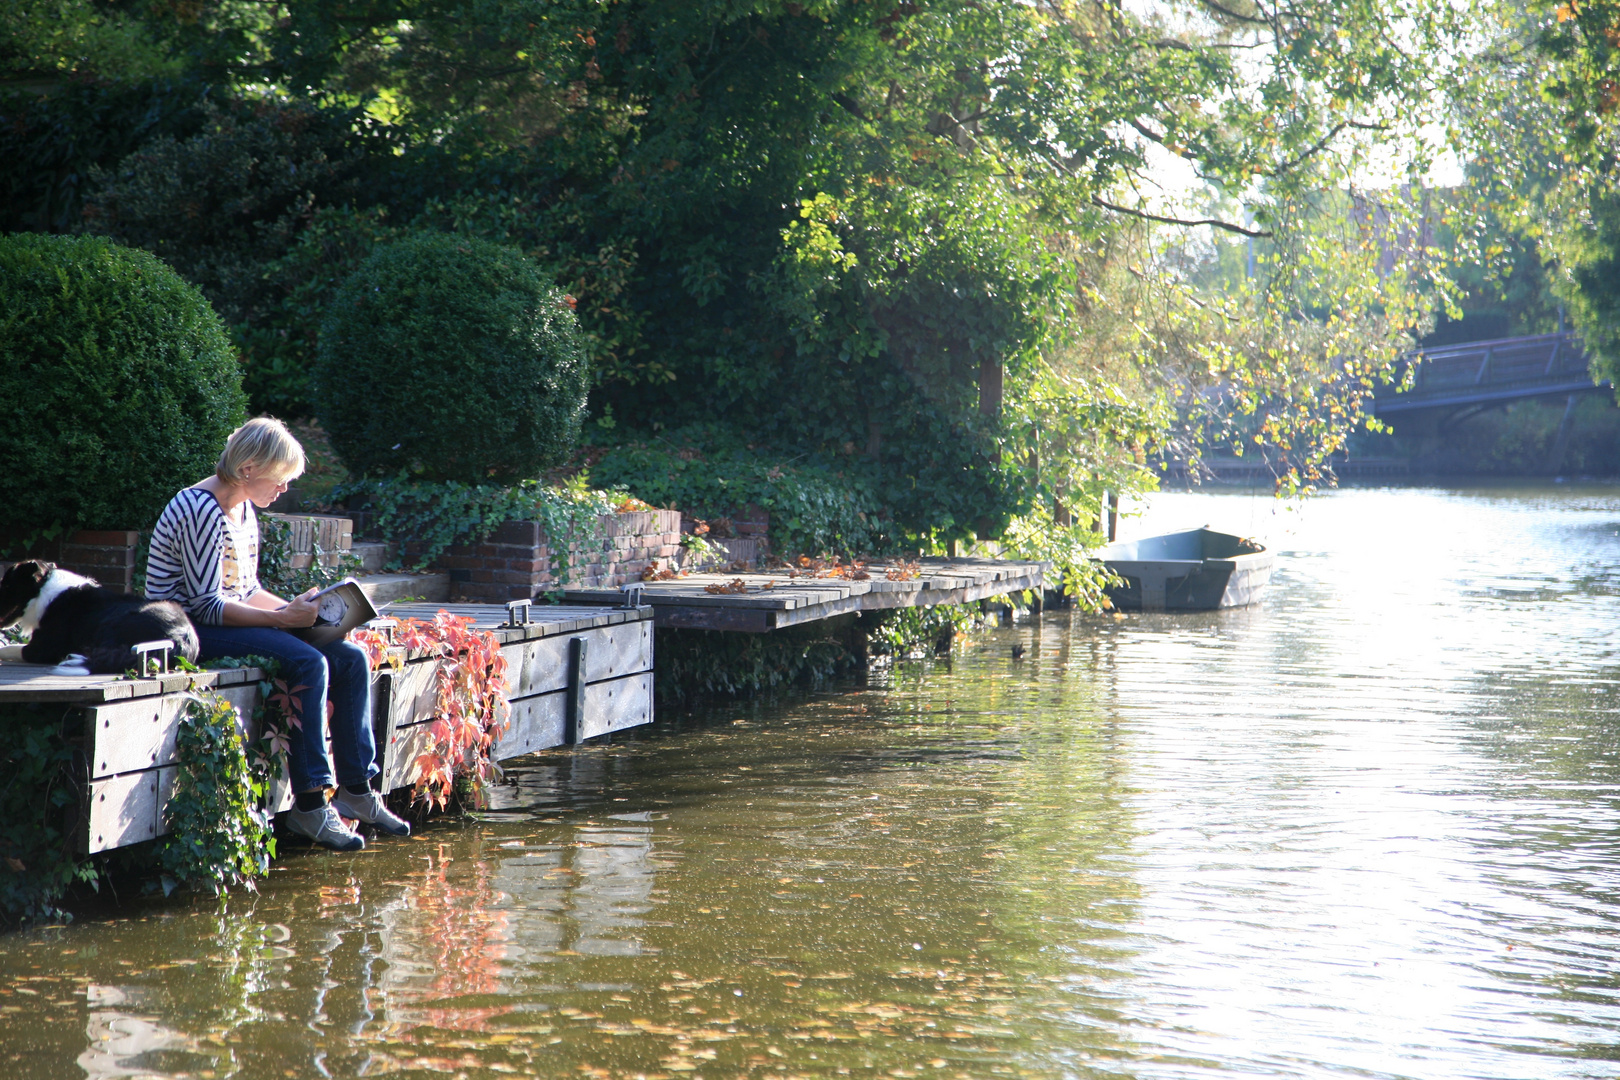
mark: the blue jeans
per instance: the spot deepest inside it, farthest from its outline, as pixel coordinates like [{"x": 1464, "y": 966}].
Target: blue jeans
[{"x": 339, "y": 672}]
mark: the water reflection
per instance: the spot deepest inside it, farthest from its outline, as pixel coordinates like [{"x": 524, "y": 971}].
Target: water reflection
[
  {"x": 124, "y": 1043},
  {"x": 1368, "y": 828}
]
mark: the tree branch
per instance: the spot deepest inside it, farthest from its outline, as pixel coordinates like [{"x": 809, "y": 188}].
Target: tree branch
[
  {"x": 1321, "y": 144},
  {"x": 1214, "y": 223},
  {"x": 849, "y": 105},
  {"x": 1158, "y": 137},
  {"x": 1220, "y": 9}
]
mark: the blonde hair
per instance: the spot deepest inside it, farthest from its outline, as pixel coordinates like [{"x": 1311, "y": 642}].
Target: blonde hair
[{"x": 265, "y": 443}]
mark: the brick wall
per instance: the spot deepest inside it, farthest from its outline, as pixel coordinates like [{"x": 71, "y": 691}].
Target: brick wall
[
  {"x": 335, "y": 535},
  {"x": 514, "y": 563},
  {"x": 106, "y": 555}
]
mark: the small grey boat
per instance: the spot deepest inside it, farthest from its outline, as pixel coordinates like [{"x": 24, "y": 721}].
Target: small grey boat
[{"x": 1196, "y": 570}]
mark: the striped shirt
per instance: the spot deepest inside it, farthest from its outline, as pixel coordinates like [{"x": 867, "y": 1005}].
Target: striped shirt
[{"x": 201, "y": 558}]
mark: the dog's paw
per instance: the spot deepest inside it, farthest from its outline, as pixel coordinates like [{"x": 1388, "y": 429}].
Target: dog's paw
[{"x": 12, "y": 653}]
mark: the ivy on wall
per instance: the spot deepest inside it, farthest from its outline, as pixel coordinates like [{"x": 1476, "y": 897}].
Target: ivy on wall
[
  {"x": 39, "y": 862},
  {"x": 276, "y": 571},
  {"x": 220, "y": 831},
  {"x": 433, "y": 516}
]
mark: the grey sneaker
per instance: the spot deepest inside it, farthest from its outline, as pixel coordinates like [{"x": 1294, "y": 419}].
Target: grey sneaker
[
  {"x": 325, "y": 828},
  {"x": 369, "y": 808}
]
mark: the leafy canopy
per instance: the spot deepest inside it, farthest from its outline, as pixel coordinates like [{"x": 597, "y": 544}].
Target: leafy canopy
[{"x": 861, "y": 232}]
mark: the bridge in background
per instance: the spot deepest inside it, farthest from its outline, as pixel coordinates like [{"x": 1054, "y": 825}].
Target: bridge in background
[{"x": 1455, "y": 382}]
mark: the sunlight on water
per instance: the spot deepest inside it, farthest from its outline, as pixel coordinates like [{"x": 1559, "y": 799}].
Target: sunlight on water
[{"x": 1366, "y": 829}]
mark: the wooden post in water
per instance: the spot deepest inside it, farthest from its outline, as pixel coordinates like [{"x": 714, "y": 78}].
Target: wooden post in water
[{"x": 574, "y": 715}]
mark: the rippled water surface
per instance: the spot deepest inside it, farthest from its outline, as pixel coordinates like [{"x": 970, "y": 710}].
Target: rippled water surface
[{"x": 1367, "y": 829}]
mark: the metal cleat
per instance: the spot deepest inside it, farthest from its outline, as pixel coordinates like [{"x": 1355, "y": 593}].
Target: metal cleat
[{"x": 143, "y": 656}]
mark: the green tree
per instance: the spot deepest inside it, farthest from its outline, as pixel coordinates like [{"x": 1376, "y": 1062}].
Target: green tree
[
  {"x": 860, "y": 232},
  {"x": 1543, "y": 166}
]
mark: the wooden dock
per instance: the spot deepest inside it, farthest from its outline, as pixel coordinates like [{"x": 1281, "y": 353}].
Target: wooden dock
[
  {"x": 757, "y": 602},
  {"x": 573, "y": 672}
]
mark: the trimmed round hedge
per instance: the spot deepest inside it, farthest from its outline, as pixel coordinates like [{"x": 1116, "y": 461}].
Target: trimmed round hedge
[
  {"x": 118, "y": 385},
  {"x": 451, "y": 358}
]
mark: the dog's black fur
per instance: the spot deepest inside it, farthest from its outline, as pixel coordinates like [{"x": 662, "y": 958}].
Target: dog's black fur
[{"x": 101, "y": 624}]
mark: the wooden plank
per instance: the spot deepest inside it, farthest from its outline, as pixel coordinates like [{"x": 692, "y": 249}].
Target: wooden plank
[
  {"x": 620, "y": 650},
  {"x": 129, "y": 736},
  {"x": 383, "y": 719},
  {"x": 535, "y": 723},
  {"x": 415, "y": 693},
  {"x": 406, "y": 744},
  {"x": 1001, "y": 588},
  {"x": 30, "y": 682},
  {"x": 680, "y": 605},
  {"x": 617, "y": 704},
  {"x": 912, "y": 585},
  {"x": 119, "y": 811},
  {"x": 63, "y": 688},
  {"x": 281, "y": 794},
  {"x": 598, "y": 596},
  {"x": 822, "y": 611},
  {"x": 886, "y": 600},
  {"x": 538, "y": 667},
  {"x": 168, "y": 778},
  {"x": 245, "y": 697},
  {"x": 545, "y": 619},
  {"x": 538, "y": 723},
  {"x": 744, "y": 620}
]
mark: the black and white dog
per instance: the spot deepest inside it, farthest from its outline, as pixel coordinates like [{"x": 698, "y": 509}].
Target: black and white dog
[{"x": 72, "y": 614}]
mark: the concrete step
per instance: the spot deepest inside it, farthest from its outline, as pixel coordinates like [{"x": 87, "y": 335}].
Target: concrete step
[
  {"x": 373, "y": 554},
  {"x": 387, "y": 588}
]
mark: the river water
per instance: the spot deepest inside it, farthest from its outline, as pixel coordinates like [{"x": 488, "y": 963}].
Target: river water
[{"x": 1366, "y": 829}]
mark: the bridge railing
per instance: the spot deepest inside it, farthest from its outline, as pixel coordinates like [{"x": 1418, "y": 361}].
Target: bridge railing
[{"x": 1532, "y": 359}]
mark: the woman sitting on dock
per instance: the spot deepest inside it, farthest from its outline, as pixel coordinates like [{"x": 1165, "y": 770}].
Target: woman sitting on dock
[{"x": 205, "y": 556}]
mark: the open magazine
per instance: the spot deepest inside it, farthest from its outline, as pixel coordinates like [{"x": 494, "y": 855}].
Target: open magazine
[{"x": 342, "y": 607}]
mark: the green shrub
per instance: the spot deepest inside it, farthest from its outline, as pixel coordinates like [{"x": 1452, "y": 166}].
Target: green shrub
[
  {"x": 119, "y": 385},
  {"x": 278, "y": 345},
  {"x": 451, "y": 358}
]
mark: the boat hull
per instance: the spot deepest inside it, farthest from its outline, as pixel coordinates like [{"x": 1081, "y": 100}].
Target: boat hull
[{"x": 1195, "y": 570}]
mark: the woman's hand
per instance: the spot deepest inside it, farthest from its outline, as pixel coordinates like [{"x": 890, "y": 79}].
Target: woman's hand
[{"x": 301, "y": 610}]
